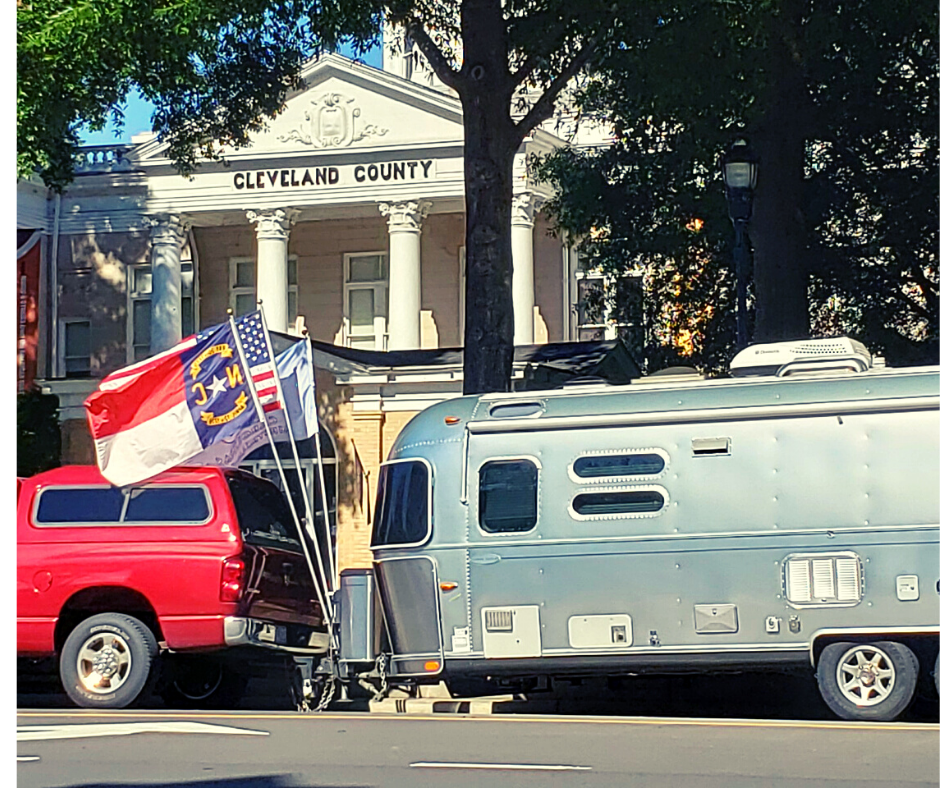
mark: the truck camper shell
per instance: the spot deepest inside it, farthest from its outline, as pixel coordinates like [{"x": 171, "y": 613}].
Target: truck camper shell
[{"x": 674, "y": 523}]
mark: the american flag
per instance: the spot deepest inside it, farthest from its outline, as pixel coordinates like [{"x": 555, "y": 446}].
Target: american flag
[{"x": 261, "y": 369}]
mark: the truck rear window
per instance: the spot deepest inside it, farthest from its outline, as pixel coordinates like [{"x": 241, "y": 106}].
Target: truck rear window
[
  {"x": 263, "y": 515},
  {"x": 113, "y": 506},
  {"x": 401, "y": 507}
]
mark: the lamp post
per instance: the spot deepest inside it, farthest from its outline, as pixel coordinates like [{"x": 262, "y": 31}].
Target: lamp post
[{"x": 739, "y": 170}]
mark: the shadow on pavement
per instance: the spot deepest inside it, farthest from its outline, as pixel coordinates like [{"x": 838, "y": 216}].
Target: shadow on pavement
[{"x": 751, "y": 695}]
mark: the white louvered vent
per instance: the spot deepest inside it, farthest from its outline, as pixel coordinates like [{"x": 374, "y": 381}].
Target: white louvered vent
[
  {"x": 798, "y": 588},
  {"x": 848, "y": 576},
  {"x": 823, "y": 585},
  {"x": 816, "y": 580},
  {"x": 498, "y": 621}
]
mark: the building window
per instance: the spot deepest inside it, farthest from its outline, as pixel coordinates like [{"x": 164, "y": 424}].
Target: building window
[
  {"x": 606, "y": 307},
  {"x": 462, "y": 306},
  {"x": 243, "y": 287},
  {"x": 365, "y": 300},
  {"x": 76, "y": 348},
  {"x": 140, "y": 291},
  {"x": 508, "y": 496}
]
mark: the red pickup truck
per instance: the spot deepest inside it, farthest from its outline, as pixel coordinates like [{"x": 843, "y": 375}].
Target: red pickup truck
[{"x": 192, "y": 572}]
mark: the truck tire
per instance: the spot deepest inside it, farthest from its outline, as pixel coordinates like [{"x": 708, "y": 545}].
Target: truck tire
[
  {"x": 867, "y": 681},
  {"x": 107, "y": 661},
  {"x": 202, "y": 683}
]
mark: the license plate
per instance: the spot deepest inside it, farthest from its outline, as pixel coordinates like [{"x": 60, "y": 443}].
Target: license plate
[{"x": 270, "y": 633}]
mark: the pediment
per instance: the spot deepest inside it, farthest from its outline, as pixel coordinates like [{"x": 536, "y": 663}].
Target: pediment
[{"x": 348, "y": 106}]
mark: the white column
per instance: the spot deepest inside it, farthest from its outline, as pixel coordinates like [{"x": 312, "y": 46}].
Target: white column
[
  {"x": 273, "y": 229},
  {"x": 167, "y": 232},
  {"x": 404, "y": 272},
  {"x": 524, "y": 208}
]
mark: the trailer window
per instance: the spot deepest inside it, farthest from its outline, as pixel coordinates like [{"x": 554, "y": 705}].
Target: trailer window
[
  {"x": 619, "y": 465},
  {"x": 627, "y": 502},
  {"x": 508, "y": 496},
  {"x": 401, "y": 504}
]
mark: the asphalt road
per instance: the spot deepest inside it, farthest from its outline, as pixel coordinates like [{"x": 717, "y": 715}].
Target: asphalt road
[{"x": 280, "y": 749}]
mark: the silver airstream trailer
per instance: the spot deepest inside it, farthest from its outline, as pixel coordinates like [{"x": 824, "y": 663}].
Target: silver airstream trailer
[{"x": 787, "y": 514}]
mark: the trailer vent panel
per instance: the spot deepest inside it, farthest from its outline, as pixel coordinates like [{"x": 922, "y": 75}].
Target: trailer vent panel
[
  {"x": 848, "y": 578},
  {"x": 818, "y": 580},
  {"x": 823, "y": 585},
  {"x": 798, "y": 587},
  {"x": 498, "y": 621}
]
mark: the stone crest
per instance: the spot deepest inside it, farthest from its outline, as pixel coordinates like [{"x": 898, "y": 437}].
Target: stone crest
[{"x": 332, "y": 122}]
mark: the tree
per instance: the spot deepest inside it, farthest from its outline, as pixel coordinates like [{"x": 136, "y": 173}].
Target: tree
[
  {"x": 841, "y": 104},
  {"x": 647, "y": 206},
  {"x": 38, "y": 436},
  {"x": 217, "y": 70}
]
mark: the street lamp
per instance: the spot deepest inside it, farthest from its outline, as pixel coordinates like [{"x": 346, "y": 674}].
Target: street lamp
[{"x": 739, "y": 170}]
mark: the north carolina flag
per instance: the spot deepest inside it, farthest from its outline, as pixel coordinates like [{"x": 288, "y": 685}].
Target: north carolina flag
[{"x": 161, "y": 412}]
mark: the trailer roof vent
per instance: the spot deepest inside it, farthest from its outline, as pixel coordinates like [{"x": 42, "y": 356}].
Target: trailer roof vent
[{"x": 839, "y": 354}]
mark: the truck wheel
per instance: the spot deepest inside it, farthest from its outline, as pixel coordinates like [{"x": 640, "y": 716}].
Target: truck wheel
[
  {"x": 107, "y": 661},
  {"x": 867, "y": 681},
  {"x": 202, "y": 683}
]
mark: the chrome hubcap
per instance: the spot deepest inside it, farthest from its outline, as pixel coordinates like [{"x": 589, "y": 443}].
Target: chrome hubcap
[
  {"x": 865, "y": 675},
  {"x": 103, "y": 663}
]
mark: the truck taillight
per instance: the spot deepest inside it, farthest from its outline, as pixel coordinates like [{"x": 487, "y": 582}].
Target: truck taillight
[{"x": 233, "y": 573}]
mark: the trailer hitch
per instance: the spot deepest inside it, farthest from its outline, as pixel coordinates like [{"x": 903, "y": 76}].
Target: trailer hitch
[{"x": 312, "y": 686}]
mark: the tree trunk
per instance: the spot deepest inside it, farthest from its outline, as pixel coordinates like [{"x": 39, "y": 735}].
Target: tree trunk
[
  {"x": 778, "y": 228},
  {"x": 488, "y": 332},
  {"x": 490, "y": 143}
]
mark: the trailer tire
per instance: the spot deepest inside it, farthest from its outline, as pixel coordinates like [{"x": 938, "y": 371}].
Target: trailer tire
[
  {"x": 936, "y": 674},
  {"x": 867, "y": 681},
  {"x": 108, "y": 662}
]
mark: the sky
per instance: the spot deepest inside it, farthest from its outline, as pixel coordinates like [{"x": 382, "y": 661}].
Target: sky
[{"x": 138, "y": 111}]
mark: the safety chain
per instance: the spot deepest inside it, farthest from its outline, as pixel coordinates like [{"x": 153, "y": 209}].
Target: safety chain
[
  {"x": 383, "y": 677},
  {"x": 327, "y": 696}
]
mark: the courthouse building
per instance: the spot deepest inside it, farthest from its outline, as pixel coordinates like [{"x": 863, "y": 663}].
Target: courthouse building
[{"x": 345, "y": 217}]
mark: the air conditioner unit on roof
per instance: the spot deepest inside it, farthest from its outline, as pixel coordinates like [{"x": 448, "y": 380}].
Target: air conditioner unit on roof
[{"x": 805, "y": 355}]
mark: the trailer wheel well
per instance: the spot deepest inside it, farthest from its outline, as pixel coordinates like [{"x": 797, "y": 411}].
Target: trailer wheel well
[
  {"x": 925, "y": 647},
  {"x": 104, "y": 599}
]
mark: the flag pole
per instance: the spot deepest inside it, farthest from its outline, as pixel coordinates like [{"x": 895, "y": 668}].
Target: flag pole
[
  {"x": 300, "y": 478},
  {"x": 326, "y": 604},
  {"x": 326, "y": 518}
]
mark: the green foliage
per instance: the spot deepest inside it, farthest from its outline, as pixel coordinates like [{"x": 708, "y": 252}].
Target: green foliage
[
  {"x": 38, "y": 439},
  {"x": 215, "y": 69},
  {"x": 863, "y": 108},
  {"x": 647, "y": 205}
]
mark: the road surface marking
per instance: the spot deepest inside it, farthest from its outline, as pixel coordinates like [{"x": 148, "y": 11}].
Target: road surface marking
[
  {"x": 692, "y": 722},
  {"x": 48, "y": 732},
  {"x": 536, "y": 767},
  {"x": 20, "y": 758}
]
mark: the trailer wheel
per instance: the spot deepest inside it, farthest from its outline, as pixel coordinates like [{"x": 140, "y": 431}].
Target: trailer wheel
[
  {"x": 867, "y": 681},
  {"x": 107, "y": 661}
]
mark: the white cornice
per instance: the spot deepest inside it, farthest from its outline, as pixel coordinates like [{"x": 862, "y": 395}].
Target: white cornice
[{"x": 329, "y": 66}]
